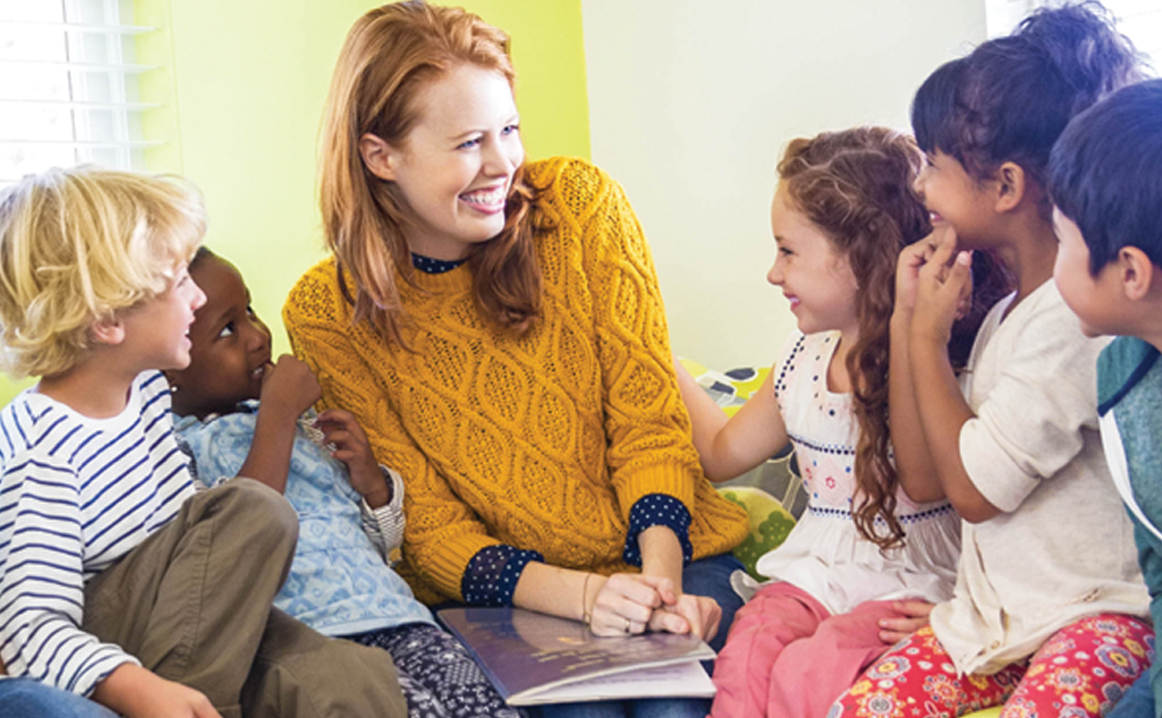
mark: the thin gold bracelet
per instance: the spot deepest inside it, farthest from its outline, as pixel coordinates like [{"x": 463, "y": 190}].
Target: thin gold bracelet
[{"x": 585, "y": 617}]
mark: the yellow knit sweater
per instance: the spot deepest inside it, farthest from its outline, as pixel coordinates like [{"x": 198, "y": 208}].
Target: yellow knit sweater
[{"x": 543, "y": 441}]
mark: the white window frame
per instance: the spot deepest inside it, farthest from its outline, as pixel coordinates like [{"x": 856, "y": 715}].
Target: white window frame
[{"x": 71, "y": 79}]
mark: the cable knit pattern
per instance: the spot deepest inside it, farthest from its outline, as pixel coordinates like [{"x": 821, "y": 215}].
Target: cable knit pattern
[{"x": 543, "y": 442}]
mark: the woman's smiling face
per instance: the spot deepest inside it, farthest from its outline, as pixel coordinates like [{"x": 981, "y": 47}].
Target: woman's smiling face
[{"x": 453, "y": 170}]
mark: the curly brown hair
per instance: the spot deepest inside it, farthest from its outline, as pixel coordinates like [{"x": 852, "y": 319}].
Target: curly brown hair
[{"x": 857, "y": 187}]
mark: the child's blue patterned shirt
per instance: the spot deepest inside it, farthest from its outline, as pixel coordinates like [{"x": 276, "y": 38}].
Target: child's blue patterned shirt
[{"x": 339, "y": 583}]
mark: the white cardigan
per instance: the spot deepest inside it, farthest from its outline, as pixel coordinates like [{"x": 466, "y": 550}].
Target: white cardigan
[{"x": 1063, "y": 546}]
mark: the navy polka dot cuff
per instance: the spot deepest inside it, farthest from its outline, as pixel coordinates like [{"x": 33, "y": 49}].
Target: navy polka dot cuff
[
  {"x": 657, "y": 510},
  {"x": 491, "y": 576}
]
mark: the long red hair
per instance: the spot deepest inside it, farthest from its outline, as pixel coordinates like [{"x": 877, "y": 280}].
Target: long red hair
[{"x": 390, "y": 55}]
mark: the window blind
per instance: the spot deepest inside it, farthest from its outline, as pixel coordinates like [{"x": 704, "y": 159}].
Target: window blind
[{"x": 68, "y": 86}]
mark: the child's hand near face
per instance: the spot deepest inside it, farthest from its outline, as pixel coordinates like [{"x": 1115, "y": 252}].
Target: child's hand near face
[
  {"x": 913, "y": 258},
  {"x": 289, "y": 386},
  {"x": 288, "y": 389},
  {"x": 944, "y": 284},
  {"x": 352, "y": 448}
]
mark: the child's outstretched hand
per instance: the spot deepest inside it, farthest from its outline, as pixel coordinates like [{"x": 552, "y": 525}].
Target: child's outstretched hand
[
  {"x": 352, "y": 448},
  {"x": 913, "y": 615},
  {"x": 289, "y": 386}
]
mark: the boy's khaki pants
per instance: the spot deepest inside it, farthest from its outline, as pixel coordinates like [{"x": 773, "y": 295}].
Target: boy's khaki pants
[{"x": 192, "y": 603}]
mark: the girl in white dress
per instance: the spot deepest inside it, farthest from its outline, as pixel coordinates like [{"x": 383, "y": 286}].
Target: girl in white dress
[{"x": 843, "y": 210}]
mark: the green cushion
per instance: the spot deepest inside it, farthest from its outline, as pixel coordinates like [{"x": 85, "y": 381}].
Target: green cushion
[{"x": 769, "y": 524}]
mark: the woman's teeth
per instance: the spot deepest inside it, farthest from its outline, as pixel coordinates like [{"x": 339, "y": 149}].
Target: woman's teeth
[{"x": 491, "y": 197}]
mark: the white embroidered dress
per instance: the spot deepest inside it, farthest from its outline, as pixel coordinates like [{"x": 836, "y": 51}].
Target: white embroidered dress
[{"x": 825, "y": 554}]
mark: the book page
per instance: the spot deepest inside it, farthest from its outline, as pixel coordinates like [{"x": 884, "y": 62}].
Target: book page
[{"x": 682, "y": 680}]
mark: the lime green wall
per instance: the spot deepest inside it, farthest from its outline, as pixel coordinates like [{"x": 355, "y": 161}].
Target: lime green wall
[{"x": 244, "y": 83}]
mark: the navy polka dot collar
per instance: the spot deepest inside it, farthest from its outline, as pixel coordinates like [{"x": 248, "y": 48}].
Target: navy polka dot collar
[{"x": 427, "y": 265}]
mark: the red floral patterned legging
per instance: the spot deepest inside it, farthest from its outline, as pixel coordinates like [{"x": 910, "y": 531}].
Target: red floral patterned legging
[{"x": 1081, "y": 671}]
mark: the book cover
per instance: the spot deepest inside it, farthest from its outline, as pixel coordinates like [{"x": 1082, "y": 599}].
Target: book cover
[{"x": 534, "y": 659}]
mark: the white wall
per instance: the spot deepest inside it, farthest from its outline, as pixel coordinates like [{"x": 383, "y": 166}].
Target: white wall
[{"x": 691, "y": 103}]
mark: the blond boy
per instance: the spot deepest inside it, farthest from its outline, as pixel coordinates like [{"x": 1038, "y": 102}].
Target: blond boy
[{"x": 117, "y": 580}]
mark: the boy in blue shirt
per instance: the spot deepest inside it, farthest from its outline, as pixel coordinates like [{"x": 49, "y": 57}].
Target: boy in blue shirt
[
  {"x": 1105, "y": 179},
  {"x": 350, "y": 508},
  {"x": 117, "y": 581}
]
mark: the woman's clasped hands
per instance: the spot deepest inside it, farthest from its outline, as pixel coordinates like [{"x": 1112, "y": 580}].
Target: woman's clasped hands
[{"x": 628, "y": 603}]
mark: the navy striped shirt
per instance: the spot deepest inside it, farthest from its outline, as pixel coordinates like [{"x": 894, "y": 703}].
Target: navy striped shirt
[{"x": 77, "y": 494}]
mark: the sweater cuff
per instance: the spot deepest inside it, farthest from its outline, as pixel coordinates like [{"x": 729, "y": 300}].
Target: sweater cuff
[
  {"x": 491, "y": 576},
  {"x": 445, "y": 566},
  {"x": 658, "y": 510},
  {"x": 671, "y": 479}
]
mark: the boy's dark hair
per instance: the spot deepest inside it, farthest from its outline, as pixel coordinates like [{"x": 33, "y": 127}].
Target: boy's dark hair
[
  {"x": 1013, "y": 96},
  {"x": 1105, "y": 174},
  {"x": 201, "y": 255}
]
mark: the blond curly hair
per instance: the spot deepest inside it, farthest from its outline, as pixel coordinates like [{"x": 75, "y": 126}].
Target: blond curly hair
[{"x": 80, "y": 245}]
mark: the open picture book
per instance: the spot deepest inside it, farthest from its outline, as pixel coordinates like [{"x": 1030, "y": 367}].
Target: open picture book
[{"x": 535, "y": 659}]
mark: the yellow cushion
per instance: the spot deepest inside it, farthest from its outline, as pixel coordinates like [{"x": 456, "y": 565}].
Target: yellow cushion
[
  {"x": 769, "y": 524},
  {"x": 730, "y": 389},
  {"x": 987, "y": 713}
]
